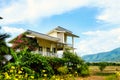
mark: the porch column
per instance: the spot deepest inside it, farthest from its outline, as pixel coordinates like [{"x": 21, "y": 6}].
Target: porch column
[
  {"x": 72, "y": 44},
  {"x": 44, "y": 51},
  {"x": 72, "y": 41},
  {"x": 56, "y": 47},
  {"x": 63, "y": 47},
  {"x": 51, "y": 47}
]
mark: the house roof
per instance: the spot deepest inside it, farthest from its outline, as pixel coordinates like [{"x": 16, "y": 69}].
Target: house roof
[
  {"x": 61, "y": 29},
  {"x": 43, "y": 36}
]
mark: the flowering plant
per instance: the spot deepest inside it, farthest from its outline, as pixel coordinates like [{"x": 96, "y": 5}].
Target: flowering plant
[{"x": 23, "y": 41}]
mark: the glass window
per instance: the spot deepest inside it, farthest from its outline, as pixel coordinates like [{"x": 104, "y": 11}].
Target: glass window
[{"x": 40, "y": 48}]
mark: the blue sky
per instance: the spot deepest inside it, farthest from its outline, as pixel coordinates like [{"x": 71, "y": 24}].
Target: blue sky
[{"x": 97, "y": 22}]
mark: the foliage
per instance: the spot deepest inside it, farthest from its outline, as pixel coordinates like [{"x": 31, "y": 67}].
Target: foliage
[
  {"x": 75, "y": 63},
  {"x": 112, "y": 77},
  {"x": 83, "y": 70},
  {"x": 17, "y": 61},
  {"x": 111, "y": 56},
  {"x": 23, "y": 41},
  {"x": 4, "y": 49},
  {"x": 102, "y": 66},
  {"x": 38, "y": 63},
  {"x": 16, "y": 73},
  {"x": 107, "y": 63},
  {"x": 63, "y": 70},
  {"x": 55, "y": 63}
]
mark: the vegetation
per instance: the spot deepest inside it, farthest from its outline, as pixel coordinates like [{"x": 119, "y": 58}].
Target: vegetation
[
  {"x": 4, "y": 49},
  {"x": 111, "y": 56},
  {"x": 25, "y": 65},
  {"x": 37, "y": 66},
  {"x": 22, "y": 41},
  {"x": 102, "y": 66}
]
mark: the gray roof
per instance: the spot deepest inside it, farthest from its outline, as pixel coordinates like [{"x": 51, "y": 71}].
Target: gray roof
[
  {"x": 62, "y": 29},
  {"x": 43, "y": 36}
]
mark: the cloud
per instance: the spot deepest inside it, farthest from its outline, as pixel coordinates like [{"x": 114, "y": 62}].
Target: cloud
[
  {"x": 30, "y": 10},
  {"x": 99, "y": 41},
  {"x": 109, "y": 11},
  {"x": 12, "y": 30},
  {"x": 27, "y": 10}
]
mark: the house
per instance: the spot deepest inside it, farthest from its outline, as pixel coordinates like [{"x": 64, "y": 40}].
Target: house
[{"x": 54, "y": 41}]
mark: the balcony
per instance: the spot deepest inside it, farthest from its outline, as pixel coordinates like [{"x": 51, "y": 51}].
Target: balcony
[{"x": 45, "y": 53}]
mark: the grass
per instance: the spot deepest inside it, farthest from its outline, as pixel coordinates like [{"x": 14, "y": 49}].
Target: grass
[{"x": 109, "y": 73}]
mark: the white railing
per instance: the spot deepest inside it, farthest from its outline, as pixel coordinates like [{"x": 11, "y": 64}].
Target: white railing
[
  {"x": 45, "y": 53},
  {"x": 48, "y": 54}
]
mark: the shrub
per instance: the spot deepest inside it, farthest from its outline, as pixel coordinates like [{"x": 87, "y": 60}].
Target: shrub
[
  {"x": 83, "y": 70},
  {"x": 102, "y": 66},
  {"x": 63, "y": 70},
  {"x": 55, "y": 63},
  {"x": 75, "y": 63},
  {"x": 38, "y": 63}
]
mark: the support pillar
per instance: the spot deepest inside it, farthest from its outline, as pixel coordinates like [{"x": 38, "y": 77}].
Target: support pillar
[{"x": 73, "y": 43}]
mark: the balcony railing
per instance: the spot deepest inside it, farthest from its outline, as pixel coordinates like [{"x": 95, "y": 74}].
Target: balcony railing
[{"x": 46, "y": 53}]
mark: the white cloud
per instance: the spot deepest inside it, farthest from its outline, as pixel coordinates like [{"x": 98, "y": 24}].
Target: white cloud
[
  {"x": 12, "y": 30},
  {"x": 110, "y": 11},
  {"x": 99, "y": 41},
  {"x": 27, "y": 10},
  {"x": 30, "y": 10}
]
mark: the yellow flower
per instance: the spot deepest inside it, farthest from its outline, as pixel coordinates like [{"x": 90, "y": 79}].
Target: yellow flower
[
  {"x": 70, "y": 75},
  {"x": 32, "y": 77},
  {"x": 11, "y": 70},
  {"x": 53, "y": 76},
  {"x": 43, "y": 70},
  {"x": 12, "y": 67},
  {"x": 7, "y": 77},
  {"x": 76, "y": 72},
  {"x": 45, "y": 75},
  {"x": 15, "y": 79},
  {"x": 26, "y": 75},
  {"x": 19, "y": 72},
  {"x": 21, "y": 68}
]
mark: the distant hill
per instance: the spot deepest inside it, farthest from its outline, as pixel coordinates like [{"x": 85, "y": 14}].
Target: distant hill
[{"x": 111, "y": 56}]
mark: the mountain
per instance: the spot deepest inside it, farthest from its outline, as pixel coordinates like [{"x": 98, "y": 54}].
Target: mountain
[{"x": 111, "y": 56}]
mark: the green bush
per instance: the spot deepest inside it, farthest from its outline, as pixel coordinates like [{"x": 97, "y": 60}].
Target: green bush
[
  {"x": 102, "y": 66},
  {"x": 39, "y": 64},
  {"x": 75, "y": 63},
  {"x": 55, "y": 63},
  {"x": 83, "y": 70},
  {"x": 63, "y": 70}
]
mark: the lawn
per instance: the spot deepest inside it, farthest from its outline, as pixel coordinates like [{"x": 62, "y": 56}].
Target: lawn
[{"x": 107, "y": 74}]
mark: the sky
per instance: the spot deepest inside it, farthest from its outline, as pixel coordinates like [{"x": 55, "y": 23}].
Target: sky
[{"x": 97, "y": 22}]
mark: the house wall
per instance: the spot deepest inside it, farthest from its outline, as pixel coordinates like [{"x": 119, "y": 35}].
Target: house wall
[
  {"x": 47, "y": 46},
  {"x": 61, "y": 36},
  {"x": 54, "y": 34}
]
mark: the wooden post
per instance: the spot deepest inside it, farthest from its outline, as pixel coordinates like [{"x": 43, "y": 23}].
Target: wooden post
[{"x": 73, "y": 43}]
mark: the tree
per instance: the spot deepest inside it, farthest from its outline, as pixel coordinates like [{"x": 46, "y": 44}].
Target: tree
[
  {"x": 4, "y": 49},
  {"x": 102, "y": 66}
]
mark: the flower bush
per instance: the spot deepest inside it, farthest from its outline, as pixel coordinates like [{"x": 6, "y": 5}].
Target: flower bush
[
  {"x": 26, "y": 65},
  {"x": 15, "y": 73}
]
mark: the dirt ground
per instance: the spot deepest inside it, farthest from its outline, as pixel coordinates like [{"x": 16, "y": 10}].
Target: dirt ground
[{"x": 92, "y": 78}]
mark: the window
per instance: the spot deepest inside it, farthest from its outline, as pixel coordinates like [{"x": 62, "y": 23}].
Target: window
[
  {"x": 40, "y": 48},
  {"x": 48, "y": 49},
  {"x": 54, "y": 50}
]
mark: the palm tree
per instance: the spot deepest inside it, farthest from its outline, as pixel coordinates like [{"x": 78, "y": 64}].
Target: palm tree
[{"x": 4, "y": 49}]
